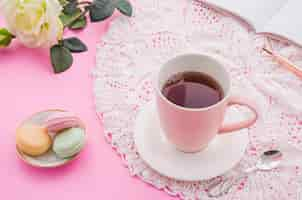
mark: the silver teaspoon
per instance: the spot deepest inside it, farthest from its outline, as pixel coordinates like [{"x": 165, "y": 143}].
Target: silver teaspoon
[{"x": 267, "y": 161}]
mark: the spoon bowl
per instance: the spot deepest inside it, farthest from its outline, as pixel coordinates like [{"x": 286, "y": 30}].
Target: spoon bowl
[{"x": 269, "y": 160}]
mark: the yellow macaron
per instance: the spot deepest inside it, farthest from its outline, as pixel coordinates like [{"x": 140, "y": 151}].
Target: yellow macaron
[{"x": 33, "y": 140}]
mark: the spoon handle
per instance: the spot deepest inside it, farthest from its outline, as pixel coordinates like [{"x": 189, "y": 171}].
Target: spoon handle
[{"x": 221, "y": 188}]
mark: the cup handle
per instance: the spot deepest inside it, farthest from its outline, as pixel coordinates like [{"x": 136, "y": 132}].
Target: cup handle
[{"x": 242, "y": 101}]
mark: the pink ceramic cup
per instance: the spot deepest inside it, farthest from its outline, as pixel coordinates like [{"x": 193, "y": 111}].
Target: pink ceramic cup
[{"x": 191, "y": 130}]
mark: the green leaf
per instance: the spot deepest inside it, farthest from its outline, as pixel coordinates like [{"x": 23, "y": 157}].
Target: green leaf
[
  {"x": 5, "y": 41},
  {"x": 101, "y": 3},
  {"x": 63, "y": 2},
  {"x": 70, "y": 7},
  {"x": 74, "y": 45},
  {"x": 65, "y": 18},
  {"x": 124, "y": 7},
  {"x": 79, "y": 23},
  {"x": 4, "y": 31},
  {"x": 61, "y": 58},
  {"x": 100, "y": 10},
  {"x": 68, "y": 18},
  {"x": 5, "y": 37}
]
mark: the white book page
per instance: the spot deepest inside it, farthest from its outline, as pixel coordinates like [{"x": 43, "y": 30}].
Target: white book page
[
  {"x": 256, "y": 12},
  {"x": 288, "y": 22}
]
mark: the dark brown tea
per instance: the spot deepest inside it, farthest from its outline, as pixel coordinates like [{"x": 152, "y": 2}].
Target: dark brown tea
[{"x": 192, "y": 90}]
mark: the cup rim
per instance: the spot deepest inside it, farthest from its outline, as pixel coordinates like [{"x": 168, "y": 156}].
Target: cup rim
[{"x": 204, "y": 55}]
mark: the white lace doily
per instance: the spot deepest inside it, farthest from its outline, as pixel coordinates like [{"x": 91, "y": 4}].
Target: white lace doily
[{"x": 134, "y": 47}]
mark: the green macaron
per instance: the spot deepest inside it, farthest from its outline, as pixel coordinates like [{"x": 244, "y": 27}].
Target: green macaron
[{"x": 69, "y": 142}]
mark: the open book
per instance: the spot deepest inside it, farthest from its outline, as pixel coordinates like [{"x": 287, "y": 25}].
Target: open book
[{"x": 276, "y": 17}]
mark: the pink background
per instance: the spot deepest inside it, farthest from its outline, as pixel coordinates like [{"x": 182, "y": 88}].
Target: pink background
[{"x": 28, "y": 85}]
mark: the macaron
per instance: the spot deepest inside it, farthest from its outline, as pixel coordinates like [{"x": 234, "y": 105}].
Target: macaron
[
  {"x": 33, "y": 139},
  {"x": 62, "y": 120},
  {"x": 69, "y": 142}
]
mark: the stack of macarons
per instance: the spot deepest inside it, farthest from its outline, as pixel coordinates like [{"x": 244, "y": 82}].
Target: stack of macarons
[{"x": 63, "y": 133}]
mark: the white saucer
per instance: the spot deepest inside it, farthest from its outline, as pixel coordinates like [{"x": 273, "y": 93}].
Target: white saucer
[{"x": 222, "y": 154}]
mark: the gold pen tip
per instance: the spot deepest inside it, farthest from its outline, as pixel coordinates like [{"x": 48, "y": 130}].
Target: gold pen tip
[{"x": 267, "y": 51}]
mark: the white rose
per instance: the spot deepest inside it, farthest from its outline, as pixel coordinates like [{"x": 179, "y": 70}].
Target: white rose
[{"x": 35, "y": 23}]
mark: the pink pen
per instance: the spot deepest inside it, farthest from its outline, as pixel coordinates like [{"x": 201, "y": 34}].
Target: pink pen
[{"x": 285, "y": 62}]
